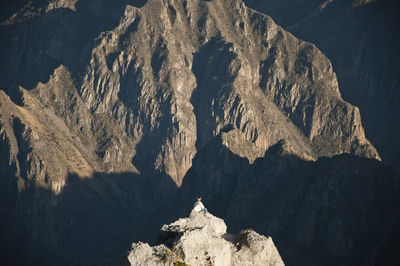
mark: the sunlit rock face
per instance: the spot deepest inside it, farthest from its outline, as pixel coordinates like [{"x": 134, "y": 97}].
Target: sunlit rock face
[
  {"x": 201, "y": 239},
  {"x": 170, "y": 75},
  {"x": 361, "y": 39},
  {"x": 108, "y": 107}
]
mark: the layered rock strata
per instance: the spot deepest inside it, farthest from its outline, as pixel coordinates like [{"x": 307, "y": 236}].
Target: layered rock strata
[
  {"x": 106, "y": 107},
  {"x": 152, "y": 89},
  {"x": 361, "y": 39}
]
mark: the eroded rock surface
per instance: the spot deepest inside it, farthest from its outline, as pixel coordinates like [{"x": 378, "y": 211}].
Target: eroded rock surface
[
  {"x": 106, "y": 107},
  {"x": 361, "y": 39},
  {"x": 329, "y": 208},
  {"x": 159, "y": 81},
  {"x": 201, "y": 239}
]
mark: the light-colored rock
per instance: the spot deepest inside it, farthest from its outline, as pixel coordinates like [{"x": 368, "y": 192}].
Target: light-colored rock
[
  {"x": 143, "y": 254},
  {"x": 161, "y": 81},
  {"x": 54, "y": 4},
  {"x": 201, "y": 239},
  {"x": 255, "y": 249},
  {"x": 213, "y": 225},
  {"x": 111, "y": 87}
]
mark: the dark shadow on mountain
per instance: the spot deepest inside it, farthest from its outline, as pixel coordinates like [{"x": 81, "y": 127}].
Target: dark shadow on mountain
[
  {"x": 285, "y": 12},
  {"x": 335, "y": 211},
  {"x": 130, "y": 84},
  {"x": 137, "y": 3},
  {"x": 361, "y": 39},
  {"x": 211, "y": 67},
  {"x": 151, "y": 145},
  {"x": 9, "y": 7},
  {"x": 93, "y": 221},
  {"x": 33, "y": 48},
  {"x": 213, "y": 176}
]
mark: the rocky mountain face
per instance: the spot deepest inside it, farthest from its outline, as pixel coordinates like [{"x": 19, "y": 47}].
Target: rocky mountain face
[
  {"x": 114, "y": 114},
  {"x": 201, "y": 239},
  {"x": 166, "y": 68},
  {"x": 361, "y": 39},
  {"x": 335, "y": 211}
]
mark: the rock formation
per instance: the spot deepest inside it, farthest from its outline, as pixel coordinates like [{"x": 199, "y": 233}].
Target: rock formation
[
  {"x": 361, "y": 39},
  {"x": 165, "y": 68},
  {"x": 109, "y": 109},
  {"x": 331, "y": 208},
  {"x": 201, "y": 239}
]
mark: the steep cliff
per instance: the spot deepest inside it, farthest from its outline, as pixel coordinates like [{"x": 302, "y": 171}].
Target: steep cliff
[
  {"x": 361, "y": 38},
  {"x": 334, "y": 211},
  {"x": 168, "y": 67},
  {"x": 107, "y": 107}
]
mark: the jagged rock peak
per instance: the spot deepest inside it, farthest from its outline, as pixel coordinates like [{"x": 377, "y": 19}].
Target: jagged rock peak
[
  {"x": 155, "y": 84},
  {"x": 175, "y": 73},
  {"x": 201, "y": 239}
]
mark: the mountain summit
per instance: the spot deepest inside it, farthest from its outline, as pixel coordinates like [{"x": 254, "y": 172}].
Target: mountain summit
[
  {"x": 109, "y": 109},
  {"x": 145, "y": 88},
  {"x": 201, "y": 239}
]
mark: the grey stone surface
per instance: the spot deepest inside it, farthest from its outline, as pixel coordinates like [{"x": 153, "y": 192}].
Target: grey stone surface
[
  {"x": 201, "y": 239},
  {"x": 108, "y": 107},
  {"x": 361, "y": 39},
  {"x": 165, "y": 78}
]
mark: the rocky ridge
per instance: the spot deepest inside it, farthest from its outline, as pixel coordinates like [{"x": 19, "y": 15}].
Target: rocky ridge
[
  {"x": 168, "y": 67},
  {"x": 334, "y": 211},
  {"x": 113, "y": 105},
  {"x": 201, "y": 239},
  {"x": 238, "y": 70},
  {"x": 360, "y": 37}
]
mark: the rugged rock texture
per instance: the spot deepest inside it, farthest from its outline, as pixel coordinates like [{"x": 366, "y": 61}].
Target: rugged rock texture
[
  {"x": 361, "y": 38},
  {"x": 53, "y": 134},
  {"x": 107, "y": 107},
  {"x": 201, "y": 239},
  {"x": 335, "y": 211},
  {"x": 168, "y": 67},
  {"x": 238, "y": 70}
]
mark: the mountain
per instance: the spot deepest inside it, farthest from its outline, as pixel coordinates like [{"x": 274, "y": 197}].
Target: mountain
[
  {"x": 114, "y": 116},
  {"x": 334, "y": 211},
  {"x": 361, "y": 40},
  {"x": 201, "y": 239},
  {"x": 150, "y": 92}
]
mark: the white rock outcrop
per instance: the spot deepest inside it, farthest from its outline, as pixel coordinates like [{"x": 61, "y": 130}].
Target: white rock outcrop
[{"x": 201, "y": 239}]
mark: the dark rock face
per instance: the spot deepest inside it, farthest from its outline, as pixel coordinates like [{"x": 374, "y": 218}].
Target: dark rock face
[
  {"x": 166, "y": 68},
  {"x": 361, "y": 39},
  {"x": 335, "y": 211},
  {"x": 106, "y": 108}
]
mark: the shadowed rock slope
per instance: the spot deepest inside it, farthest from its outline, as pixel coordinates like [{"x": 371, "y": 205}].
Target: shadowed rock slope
[
  {"x": 335, "y": 211},
  {"x": 159, "y": 83},
  {"x": 361, "y": 38},
  {"x": 106, "y": 106}
]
